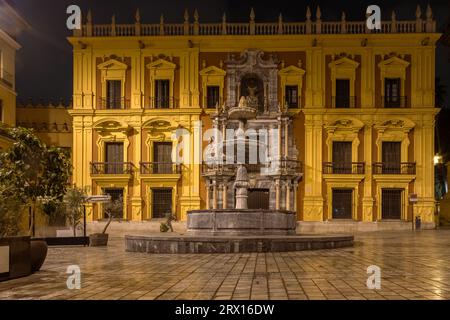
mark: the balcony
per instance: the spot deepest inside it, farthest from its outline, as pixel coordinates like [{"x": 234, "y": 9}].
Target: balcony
[
  {"x": 113, "y": 103},
  {"x": 7, "y": 78},
  {"x": 343, "y": 102},
  {"x": 394, "y": 102},
  {"x": 394, "y": 168},
  {"x": 161, "y": 103},
  {"x": 111, "y": 168},
  {"x": 160, "y": 168},
  {"x": 343, "y": 168}
]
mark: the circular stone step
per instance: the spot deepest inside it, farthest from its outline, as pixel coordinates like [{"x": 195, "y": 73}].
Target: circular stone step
[{"x": 234, "y": 244}]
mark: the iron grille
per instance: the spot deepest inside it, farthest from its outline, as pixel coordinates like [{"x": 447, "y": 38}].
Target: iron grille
[
  {"x": 391, "y": 203},
  {"x": 342, "y": 203},
  {"x": 161, "y": 202}
]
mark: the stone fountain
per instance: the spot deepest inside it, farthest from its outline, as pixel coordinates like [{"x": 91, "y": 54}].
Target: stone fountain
[{"x": 250, "y": 206}]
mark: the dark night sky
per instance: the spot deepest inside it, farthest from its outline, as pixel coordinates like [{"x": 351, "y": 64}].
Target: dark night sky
[{"x": 44, "y": 64}]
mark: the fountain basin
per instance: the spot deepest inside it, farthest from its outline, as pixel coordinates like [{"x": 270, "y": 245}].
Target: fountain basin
[{"x": 241, "y": 222}]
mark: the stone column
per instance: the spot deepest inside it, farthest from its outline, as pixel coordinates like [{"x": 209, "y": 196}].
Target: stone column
[
  {"x": 288, "y": 195},
  {"x": 279, "y": 139},
  {"x": 295, "y": 196},
  {"x": 277, "y": 194},
  {"x": 214, "y": 195},
  {"x": 207, "y": 195},
  {"x": 286, "y": 140},
  {"x": 224, "y": 195}
]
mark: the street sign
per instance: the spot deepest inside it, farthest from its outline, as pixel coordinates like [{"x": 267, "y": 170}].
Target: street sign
[
  {"x": 98, "y": 199},
  {"x": 413, "y": 198}
]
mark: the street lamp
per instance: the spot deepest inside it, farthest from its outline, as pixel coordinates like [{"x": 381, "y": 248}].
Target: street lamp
[{"x": 93, "y": 199}]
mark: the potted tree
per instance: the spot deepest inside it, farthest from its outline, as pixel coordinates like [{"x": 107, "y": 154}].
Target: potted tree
[
  {"x": 74, "y": 199},
  {"x": 113, "y": 209}
]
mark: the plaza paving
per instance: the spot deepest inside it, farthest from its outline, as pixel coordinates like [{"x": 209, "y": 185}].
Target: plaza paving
[{"x": 414, "y": 265}]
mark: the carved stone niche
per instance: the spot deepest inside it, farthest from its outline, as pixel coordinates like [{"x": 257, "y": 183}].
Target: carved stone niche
[{"x": 253, "y": 68}]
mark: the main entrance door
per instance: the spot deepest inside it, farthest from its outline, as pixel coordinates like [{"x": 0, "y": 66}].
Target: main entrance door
[{"x": 258, "y": 199}]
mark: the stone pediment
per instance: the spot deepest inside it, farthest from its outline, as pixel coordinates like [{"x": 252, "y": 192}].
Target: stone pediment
[
  {"x": 291, "y": 71},
  {"x": 112, "y": 64},
  {"x": 394, "y": 62},
  {"x": 212, "y": 71},
  {"x": 161, "y": 64},
  {"x": 344, "y": 63}
]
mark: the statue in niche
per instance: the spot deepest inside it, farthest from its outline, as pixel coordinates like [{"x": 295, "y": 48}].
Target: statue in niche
[
  {"x": 252, "y": 92},
  {"x": 252, "y": 99}
]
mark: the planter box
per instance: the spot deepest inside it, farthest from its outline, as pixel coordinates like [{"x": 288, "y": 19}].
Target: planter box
[
  {"x": 16, "y": 250},
  {"x": 98, "y": 239}
]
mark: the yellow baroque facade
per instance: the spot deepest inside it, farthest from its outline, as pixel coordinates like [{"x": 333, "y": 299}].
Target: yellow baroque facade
[{"x": 361, "y": 105}]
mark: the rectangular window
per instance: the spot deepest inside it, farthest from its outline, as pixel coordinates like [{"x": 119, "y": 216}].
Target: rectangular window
[
  {"x": 114, "y": 158},
  {"x": 392, "y": 97},
  {"x": 116, "y": 194},
  {"x": 162, "y": 157},
  {"x": 161, "y": 202},
  {"x": 113, "y": 94},
  {"x": 342, "y": 99},
  {"x": 391, "y": 157},
  {"x": 342, "y": 203},
  {"x": 212, "y": 96},
  {"x": 162, "y": 93},
  {"x": 391, "y": 203},
  {"x": 342, "y": 157},
  {"x": 291, "y": 98}
]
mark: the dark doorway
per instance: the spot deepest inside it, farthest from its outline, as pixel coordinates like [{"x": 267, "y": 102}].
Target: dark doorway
[
  {"x": 258, "y": 199},
  {"x": 162, "y": 157},
  {"x": 391, "y": 203},
  {"x": 342, "y": 203},
  {"x": 161, "y": 202},
  {"x": 392, "y": 93},
  {"x": 342, "y": 157},
  {"x": 342, "y": 93},
  {"x": 391, "y": 157},
  {"x": 114, "y": 158}
]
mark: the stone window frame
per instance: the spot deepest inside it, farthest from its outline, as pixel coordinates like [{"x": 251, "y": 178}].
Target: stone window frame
[
  {"x": 393, "y": 67},
  {"x": 347, "y": 182},
  {"x": 291, "y": 76},
  {"x": 212, "y": 76},
  {"x": 343, "y": 68},
  {"x": 161, "y": 69},
  {"x": 113, "y": 69}
]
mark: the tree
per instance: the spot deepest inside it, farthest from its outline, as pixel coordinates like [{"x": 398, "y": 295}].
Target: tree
[
  {"x": 74, "y": 199},
  {"x": 10, "y": 212},
  {"x": 113, "y": 209},
  {"x": 33, "y": 172}
]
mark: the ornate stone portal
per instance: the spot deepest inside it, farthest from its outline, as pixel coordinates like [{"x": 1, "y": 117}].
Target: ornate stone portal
[{"x": 252, "y": 174}]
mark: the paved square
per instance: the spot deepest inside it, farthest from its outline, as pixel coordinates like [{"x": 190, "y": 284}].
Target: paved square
[{"x": 414, "y": 265}]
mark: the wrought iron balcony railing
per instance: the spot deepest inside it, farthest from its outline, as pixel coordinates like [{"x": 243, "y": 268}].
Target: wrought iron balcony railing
[
  {"x": 160, "y": 168},
  {"x": 111, "y": 168},
  {"x": 113, "y": 103},
  {"x": 343, "y": 167},
  {"x": 394, "y": 102},
  {"x": 343, "y": 102},
  {"x": 394, "y": 168},
  {"x": 161, "y": 103}
]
